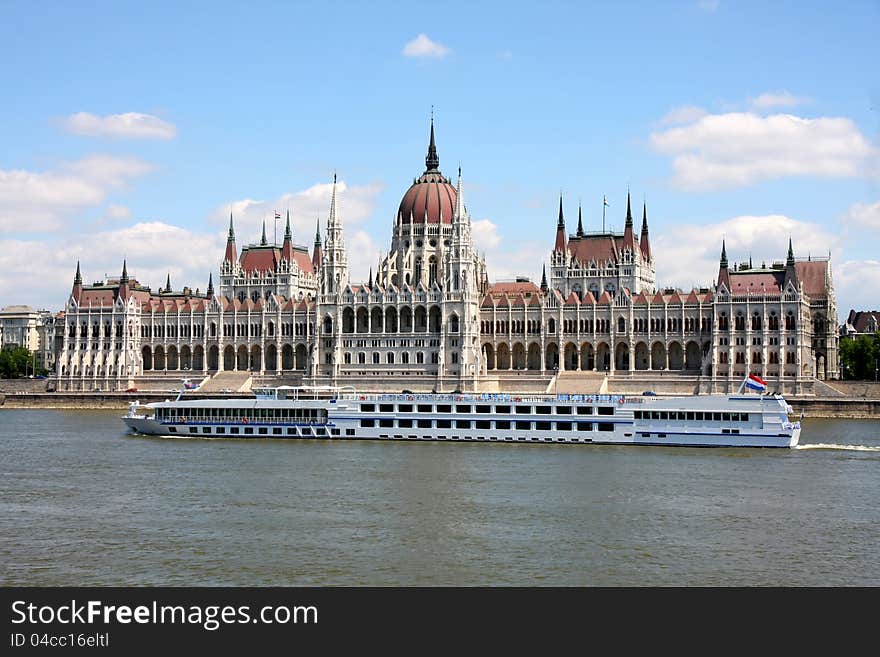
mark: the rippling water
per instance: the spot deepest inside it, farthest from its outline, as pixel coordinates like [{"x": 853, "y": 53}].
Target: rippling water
[{"x": 82, "y": 503}]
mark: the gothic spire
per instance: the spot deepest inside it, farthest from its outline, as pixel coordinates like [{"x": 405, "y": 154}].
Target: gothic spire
[
  {"x": 263, "y": 241},
  {"x": 331, "y": 221},
  {"x": 432, "y": 160},
  {"x": 124, "y": 277},
  {"x": 644, "y": 244},
  {"x": 210, "y": 293},
  {"x": 544, "y": 279},
  {"x": 318, "y": 232},
  {"x": 370, "y": 279},
  {"x": 629, "y": 217},
  {"x": 459, "y": 200},
  {"x": 287, "y": 234},
  {"x": 77, "y": 280},
  {"x": 723, "y": 254},
  {"x": 560, "y": 231},
  {"x": 168, "y": 283},
  {"x": 790, "y": 260},
  {"x": 580, "y": 232},
  {"x": 230, "y": 256}
]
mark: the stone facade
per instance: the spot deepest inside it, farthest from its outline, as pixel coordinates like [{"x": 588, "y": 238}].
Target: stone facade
[{"x": 429, "y": 319}]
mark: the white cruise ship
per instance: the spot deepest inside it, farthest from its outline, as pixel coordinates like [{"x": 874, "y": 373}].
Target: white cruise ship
[{"x": 740, "y": 420}]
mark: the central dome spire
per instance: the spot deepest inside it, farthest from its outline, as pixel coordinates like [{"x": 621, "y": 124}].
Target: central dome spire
[{"x": 432, "y": 160}]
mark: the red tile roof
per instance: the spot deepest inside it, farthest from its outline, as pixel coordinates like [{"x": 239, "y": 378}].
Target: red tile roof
[{"x": 812, "y": 274}]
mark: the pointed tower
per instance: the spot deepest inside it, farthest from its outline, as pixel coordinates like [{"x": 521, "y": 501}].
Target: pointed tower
[
  {"x": 580, "y": 231},
  {"x": 559, "y": 247},
  {"x": 76, "y": 293},
  {"x": 317, "y": 255},
  {"x": 231, "y": 255},
  {"x": 209, "y": 294},
  {"x": 629, "y": 239},
  {"x": 287, "y": 246},
  {"x": 790, "y": 270},
  {"x": 432, "y": 160},
  {"x": 124, "y": 290},
  {"x": 263, "y": 241},
  {"x": 544, "y": 279},
  {"x": 335, "y": 260},
  {"x": 167, "y": 289},
  {"x": 723, "y": 271},
  {"x": 644, "y": 244}
]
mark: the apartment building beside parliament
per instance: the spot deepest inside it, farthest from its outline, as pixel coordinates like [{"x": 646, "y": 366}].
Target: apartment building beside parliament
[{"x": 429, "y": 319}]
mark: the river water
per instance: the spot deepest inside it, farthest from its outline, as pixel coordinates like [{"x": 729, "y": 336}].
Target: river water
[{"x": 83, "y": 503}]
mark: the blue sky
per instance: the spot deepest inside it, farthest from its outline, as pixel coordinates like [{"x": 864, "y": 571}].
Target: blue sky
[{"x": 130, "y": 130}]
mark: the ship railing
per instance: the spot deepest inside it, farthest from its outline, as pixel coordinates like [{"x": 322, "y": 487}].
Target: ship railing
[{"x": 488, "y": 397}]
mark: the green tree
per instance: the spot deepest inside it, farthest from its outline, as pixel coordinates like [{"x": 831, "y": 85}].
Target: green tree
[
  {"x": 860, "y": 358},
  {"x": 15, "y": 362}
]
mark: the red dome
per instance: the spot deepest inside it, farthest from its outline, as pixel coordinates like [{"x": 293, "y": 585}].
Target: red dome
[{"x": 431, "y": 197}]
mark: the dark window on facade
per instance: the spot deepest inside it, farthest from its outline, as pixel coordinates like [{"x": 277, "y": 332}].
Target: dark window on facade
[
  {"x": 444, "y": 408},
  {"x": 523, "y": 410},
  {"x": 368, "y": 423},
  {"x": 484, "y": 409},
  {"x": 521, "y": 424},
  {"x": 502, "y": 424},
  {"x": 605, "y": 426},
  {"x": 444, "y": 424},
  {"x": 606, "y": 410},
  {"x": 368, "y": 408},
  {"x": 424, "y": 408},
  {"x": 542, "y": 426},
  {"x": 584, "y": 426},
  {"x": 563, "y": 426},
  {"x": 585, "y": 410},
  {"x": 424, "y": 424}
]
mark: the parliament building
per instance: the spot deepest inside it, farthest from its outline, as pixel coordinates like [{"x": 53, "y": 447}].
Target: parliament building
[{"x": 430, "y": 319}]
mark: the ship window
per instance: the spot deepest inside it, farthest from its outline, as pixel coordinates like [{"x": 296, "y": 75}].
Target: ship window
[
  {"x": 444, "y": 408},
  {"x": 406, "y": 424},
  {"x": 524, "y": 410},
  {"x": 307, "y": 432},
  {"x": 462, "y": 424},
  {"x": 368, "y": 423},
  {"x": 563, "y": 426},
  {"x": 563, "y": 410},
  {"x": 405, "y": 408},
  {"x": 716, "y": 417},
  {"x": 193, "y": 430},
  {"x": 368, "y": 408},
  {"x": 264, "y": 430},
  {"x": 502, "y": 409},
  {"x": 321, "y": 431},
  {"x": 444, "y": 424},
  {"x": 745, "y": 417},
  {"x": 725, "y": 431},
  {"x": 424, "y": 424},
  {"x": 334, "y": 432},
  {"x": 681, "y": 415},
  {"x": 734, "y": 417},
  {"x": 542, "y": 426},
  {"x": 424, "y": 408},
  {"x": 386, "y": 408},
  {"x": 698, "y": 416},
  {"x": 542, "y": 410},
  {"x": 463, "y": 408},
  {"x": 483, "y": 424},
  {"x": 248, "y": 429},
  {"x": 734, "y": 430},
  {"x": 221, "y": 429},
  {"x": 234, "y": 430},
  {"x": 606, "y": 410},
  {"x": 522, "y": 424},
  {"x": 605, "y": 426},
  {"x": 585, "y": 410},
  {"x": 349, "y": 432},
  {"x": 206, "y": 429},
  {"x": 502, "y": 424},
  {"x": 484, "y": 409},
  {"x": 584, "y": 426},
  {"x": 386, "y": 422},
  {"x": 292, "y": 432},
  {"x": 725, "y": 417}
]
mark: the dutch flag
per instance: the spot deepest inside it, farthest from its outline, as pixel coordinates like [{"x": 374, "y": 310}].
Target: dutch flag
[{"x": 756, "y": 383}]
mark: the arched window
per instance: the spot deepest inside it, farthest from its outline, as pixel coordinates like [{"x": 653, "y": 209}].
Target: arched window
[
  {"x": 432, "y": 270},
  {"x": 621, "y": 325},
  {"x": 453, "y": 324}
]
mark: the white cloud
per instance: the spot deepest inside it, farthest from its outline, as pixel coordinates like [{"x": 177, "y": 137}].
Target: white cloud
[
  {"x": 778, "y": 99},
  {"x": 864, "y": 215},
  {"x": 152, "y": 250},
  {"x": 736, "y": 149},
  {"x": 683, "y": 114},
  {"x": 687, "y": 255},
  {"x": 422, "y": 46},
  {"x": 38, "y": 201},
  {"x": 856, "y": 283},
  {"x": 131, "y": 125},
  {"x": 354, "y": 204},
  {"x": 117, "y": 212},
  {"x": 485, "y": 235}
]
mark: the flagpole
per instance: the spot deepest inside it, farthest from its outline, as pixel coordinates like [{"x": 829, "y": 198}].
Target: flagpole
[
  {"x": 604, "y": 203},
  {"x": 275, "y": 236}
]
